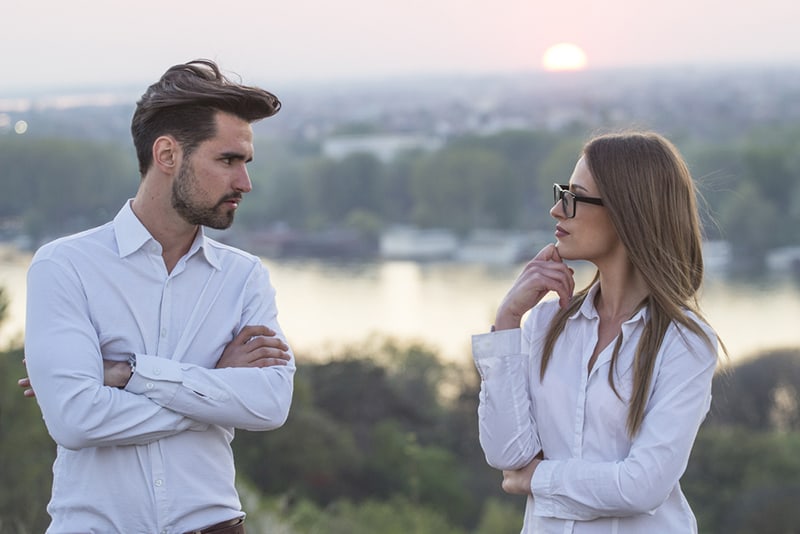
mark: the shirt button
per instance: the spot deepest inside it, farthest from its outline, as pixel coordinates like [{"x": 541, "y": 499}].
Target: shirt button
[
  {"x": 157, "y": 371},
  {"x": 149, "y": 385},
  {"x": 163, "y": 332},
  {"x": 159, "y": 483}
]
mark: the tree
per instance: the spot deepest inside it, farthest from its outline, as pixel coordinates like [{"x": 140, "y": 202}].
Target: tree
[
  {"x": 461, "y": 188},
  {"x": 760, "y": 394},
  {"x": 26, "y": 454},
  {"x": 66, "y": 185},
  {"x": 732, "y": 472}
]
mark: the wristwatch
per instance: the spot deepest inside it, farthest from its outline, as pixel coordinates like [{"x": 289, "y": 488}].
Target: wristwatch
[{"x": 132, "y": 363}]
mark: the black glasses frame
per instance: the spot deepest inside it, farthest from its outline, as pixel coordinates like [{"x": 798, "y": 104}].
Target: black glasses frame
[{"x": 562, "y": 193}]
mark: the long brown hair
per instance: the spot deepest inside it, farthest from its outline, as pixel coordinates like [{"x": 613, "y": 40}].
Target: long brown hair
[{"x": 651, "y": 200}]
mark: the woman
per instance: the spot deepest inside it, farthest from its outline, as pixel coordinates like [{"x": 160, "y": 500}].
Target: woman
[{"x": 591, "y": 408}]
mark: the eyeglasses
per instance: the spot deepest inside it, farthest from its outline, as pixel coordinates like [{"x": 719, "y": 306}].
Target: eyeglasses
[{"x": 569, "y": 200}]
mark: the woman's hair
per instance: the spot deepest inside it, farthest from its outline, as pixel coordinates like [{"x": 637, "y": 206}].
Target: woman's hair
[
  {"x": 183, "y": 103},
  {"x": 651, "y": 200}
]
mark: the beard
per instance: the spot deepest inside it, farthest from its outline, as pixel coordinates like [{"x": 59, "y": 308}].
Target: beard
[{"x": 217, "y": 216}]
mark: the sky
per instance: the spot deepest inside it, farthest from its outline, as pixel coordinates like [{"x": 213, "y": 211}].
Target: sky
[{"x": 47, "y": 44}]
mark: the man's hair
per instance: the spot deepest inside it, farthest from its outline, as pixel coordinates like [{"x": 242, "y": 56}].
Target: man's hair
[{"x": 184, "y": 102}]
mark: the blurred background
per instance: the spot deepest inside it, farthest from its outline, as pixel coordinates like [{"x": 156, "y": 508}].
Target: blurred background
[{"x": 395, "y": 198}]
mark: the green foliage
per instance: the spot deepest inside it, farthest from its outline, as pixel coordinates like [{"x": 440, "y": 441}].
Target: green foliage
[
  {"x": 26, "y": 454},
  {"x": 753, "y": 190},
  {"x": 395, "y": 516},
  {"x": 375, "y": 442},
  {"x": 732, "y": 469},
  {"x": 768, "y": 509},
  {"x": 500, "y": 517},
  {"x": 745, "y": 465},
  {"x": 460, "y": 188},
  {"x": 375, "y": 424},
  {"x": 57, "y": 186},
  {"x": 499, "y": 181},
  {"x": 759, "y": 394}
]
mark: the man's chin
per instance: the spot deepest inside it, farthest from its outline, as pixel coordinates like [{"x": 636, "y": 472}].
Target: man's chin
[
  {"x": 220, "y": 225},
  {"x": 221, "y": 221}
]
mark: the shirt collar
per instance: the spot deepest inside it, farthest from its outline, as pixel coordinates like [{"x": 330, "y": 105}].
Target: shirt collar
[
  {"x": 589, "y": 311},
  {"x": 132, "y": 235}
]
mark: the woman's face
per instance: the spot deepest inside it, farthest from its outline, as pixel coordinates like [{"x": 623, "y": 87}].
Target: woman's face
[{"x": 589, "y": 235}]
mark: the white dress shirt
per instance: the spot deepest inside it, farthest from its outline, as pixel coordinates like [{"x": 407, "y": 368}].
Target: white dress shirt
[
  {"x": 594, "y": 478},
  {"x": 155, "y": 456}
]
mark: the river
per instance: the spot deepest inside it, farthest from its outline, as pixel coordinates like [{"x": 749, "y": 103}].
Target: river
[{"x": 325, "y": 307}]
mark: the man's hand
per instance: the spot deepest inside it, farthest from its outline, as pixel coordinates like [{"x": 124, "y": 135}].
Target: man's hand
[
  {"x": 25, "y": 384},
  {"x": 255, "y": 346},
  {"x": 115, "y": 374},
  {"x": 519, "y": 482}
]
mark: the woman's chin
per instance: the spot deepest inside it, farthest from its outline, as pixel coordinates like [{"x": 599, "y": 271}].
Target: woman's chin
[{"x": 564, "y": 251}]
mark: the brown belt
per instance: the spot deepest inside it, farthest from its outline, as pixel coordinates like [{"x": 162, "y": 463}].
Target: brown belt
[{"x": 232, "y": 526}]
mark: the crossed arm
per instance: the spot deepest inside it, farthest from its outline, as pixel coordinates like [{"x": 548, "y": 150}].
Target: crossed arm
[
  {"x": 254, "y": 346},
  {"x": 84, "y": 385}
]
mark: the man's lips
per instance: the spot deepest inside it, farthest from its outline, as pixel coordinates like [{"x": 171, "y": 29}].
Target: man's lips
[{"x": 232, "y": 201}]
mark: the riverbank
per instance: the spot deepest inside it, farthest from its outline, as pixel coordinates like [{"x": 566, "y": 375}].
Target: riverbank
[{"x": 325, "y": 306}]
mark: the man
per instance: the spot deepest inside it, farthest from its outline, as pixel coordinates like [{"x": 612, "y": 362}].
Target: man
[{"x": 146, "y": 342}]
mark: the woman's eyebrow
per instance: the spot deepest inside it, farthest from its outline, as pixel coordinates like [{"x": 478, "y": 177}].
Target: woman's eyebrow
[{"x": 579, "y": 186}]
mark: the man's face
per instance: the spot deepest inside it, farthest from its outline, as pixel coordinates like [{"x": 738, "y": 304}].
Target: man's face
[{"x": 212, "y": 180}]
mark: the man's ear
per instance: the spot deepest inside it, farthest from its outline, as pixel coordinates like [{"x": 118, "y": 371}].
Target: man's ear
[{"x": 166, "y": 154}]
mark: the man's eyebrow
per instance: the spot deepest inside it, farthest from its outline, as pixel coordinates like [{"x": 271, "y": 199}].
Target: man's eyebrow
[{"x": 236, "y": 155}]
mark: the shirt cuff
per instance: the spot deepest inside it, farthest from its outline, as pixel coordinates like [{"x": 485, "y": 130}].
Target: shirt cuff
[
  {"x": 543, "y": 484},
  {"x": 155, "y": 377},
  {"x": 499, "y": 343}
]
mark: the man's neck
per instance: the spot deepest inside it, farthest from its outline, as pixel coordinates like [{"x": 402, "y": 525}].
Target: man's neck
[{"x": 173, "y": 233}]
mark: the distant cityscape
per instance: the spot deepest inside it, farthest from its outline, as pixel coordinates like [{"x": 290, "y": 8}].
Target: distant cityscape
[
  {"x": 693, "y": 102},
  {"x": 386, "y": 117}
]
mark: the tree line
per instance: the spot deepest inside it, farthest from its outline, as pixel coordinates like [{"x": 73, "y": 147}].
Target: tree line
[
  {"x": 749, "y": 186},
  {"x": 383, "y": 437}
]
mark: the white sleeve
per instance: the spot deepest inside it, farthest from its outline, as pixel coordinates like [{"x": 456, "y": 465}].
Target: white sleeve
[
  {"x": 65, "y": 366},
  {"x": 247, "y": 398},
  {"x": 507, "y": 430},
  {"x": 679, "y": 401}
]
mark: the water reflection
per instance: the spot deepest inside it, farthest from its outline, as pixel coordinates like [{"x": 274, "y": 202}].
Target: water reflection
[{"x": 324, "y": 307}]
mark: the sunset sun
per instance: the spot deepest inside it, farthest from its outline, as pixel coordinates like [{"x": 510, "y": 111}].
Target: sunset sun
[{"x": 564, "y": 56}]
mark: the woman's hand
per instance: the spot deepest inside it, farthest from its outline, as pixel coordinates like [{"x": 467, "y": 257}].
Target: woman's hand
[
  {"x": 519, "y": 482},
  {"x": 544, "y": 273}
]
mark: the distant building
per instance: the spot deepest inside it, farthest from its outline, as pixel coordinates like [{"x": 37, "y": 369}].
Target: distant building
[
  {"x": 407, "y": 243},
  {"x": 784, "y": 259},
  {"x": 385, "y": 147},
  {"x": 501, "y": 247}
]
